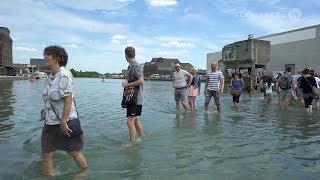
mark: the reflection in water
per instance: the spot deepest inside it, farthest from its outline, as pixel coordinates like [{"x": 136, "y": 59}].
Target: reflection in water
[
  {"x": 212, "y": 124},
  {"x": 6, "y": 109},
  {"x": 188, "y": 120},
  {"x": 132, "y": 162}
]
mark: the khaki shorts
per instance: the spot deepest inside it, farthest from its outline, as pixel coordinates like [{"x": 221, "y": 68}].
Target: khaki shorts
[{"x": 285, "y": 95}]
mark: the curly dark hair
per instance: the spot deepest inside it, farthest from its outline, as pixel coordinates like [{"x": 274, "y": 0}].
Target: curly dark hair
[{"x": 57, "y": 52}]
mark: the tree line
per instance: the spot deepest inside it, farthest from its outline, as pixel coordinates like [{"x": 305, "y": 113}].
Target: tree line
[{"x": 92, "y": 74}]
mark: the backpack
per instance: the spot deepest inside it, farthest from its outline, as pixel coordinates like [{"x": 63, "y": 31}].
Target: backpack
[{"x": 285, "y": 82}]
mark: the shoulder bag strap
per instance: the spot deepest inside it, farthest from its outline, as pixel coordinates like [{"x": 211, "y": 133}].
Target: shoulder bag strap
[
  {"x": 55, "y": 112},
  {"x": 308, "y": 82}
]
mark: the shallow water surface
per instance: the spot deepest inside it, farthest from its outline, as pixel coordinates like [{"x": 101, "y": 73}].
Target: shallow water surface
[{"x": 253, "y": 141}]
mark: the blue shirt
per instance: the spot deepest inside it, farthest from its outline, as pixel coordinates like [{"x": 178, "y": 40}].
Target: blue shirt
[{"x": 237, "y": 84}]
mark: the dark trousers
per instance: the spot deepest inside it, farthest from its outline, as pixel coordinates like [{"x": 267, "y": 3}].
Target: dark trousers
[
  {"x": 308, "y": 101},
  {"x": 236, "y": 99}
]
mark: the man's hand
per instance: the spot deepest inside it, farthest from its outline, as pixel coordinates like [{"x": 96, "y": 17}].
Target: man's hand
[
  {"x": 65, "y": 129},
  {"x": 205, "y": 92},
  {"x": 173, "y": 86},
  {"x": 125, "y": 84}
]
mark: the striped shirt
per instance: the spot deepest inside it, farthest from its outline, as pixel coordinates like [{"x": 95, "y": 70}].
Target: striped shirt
[{"x": 214, "y": 80}]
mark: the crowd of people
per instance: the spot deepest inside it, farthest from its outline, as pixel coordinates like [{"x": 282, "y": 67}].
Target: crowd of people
[
  {"x": 62, "y": 128},
  {"x": 303, "y": 87}
]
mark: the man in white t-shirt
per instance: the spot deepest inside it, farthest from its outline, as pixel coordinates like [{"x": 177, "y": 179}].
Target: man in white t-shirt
[{"x": 180, "y": 85}]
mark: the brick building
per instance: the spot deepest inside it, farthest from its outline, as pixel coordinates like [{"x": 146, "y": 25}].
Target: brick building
[
  {"x": 5, "y": 52},
  {"x": 163, "y": 66},
  {"x": 39, "y": 64}
]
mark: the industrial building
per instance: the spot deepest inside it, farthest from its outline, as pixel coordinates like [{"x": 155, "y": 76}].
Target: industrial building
[{"x": 299, "y": 48}]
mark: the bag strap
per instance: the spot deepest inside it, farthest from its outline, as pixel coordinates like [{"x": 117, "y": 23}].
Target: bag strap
[
  {"x": 55, "y": 112},
  {"x": 308, "y": 82}
]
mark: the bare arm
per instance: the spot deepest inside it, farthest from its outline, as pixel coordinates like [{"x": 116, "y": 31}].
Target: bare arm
[
  {"x": 190, "y": 79},
  {"x": 173, "y": 82},
  {"x": 66, "y": 109},
  {"x": 231, "y": 81},
  {"x": 206, "y": 85},
  {"x": 138, "y": 82},
  {"x": 222, "y": 84},
  {"x": 65, "y": 115}
]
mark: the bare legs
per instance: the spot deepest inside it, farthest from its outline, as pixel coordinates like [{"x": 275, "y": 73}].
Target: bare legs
[
  {"x": 184, "y": 104},
  {"x": 134, "y": 126},
  {"x": 48, "y": 161},
  {"x": 79, "y": 158},
  {"x": 309, "y": 109},
  {"x": 192, "y": 102},
  {"x": 48, "y": 164},
  {"x": 284, "y": 105}
]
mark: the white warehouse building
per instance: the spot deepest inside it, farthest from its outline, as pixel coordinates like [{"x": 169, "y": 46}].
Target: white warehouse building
[{"x": 298, "y": 48}]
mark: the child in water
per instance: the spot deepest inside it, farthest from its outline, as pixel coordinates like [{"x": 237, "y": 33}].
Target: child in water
[{"x": 269, "y": 85}]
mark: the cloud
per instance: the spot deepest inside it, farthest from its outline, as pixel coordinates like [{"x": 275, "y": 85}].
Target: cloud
[
  {"x": 72, "y": 45},
  {"x": 277, "y": 19},
  {"x": 161, "y": 3},
  {"x": 273, "y": 23},
  {"x": 92, "y": 5},
  {"x": 119, "y": 37},
  {"x": 25, "y": 49},
  {"x": 178, "y": 44},
  {"x": 269, "y": 2},
  {"x": 172, "y": 54},
  {"x": 45, "y": 17}
]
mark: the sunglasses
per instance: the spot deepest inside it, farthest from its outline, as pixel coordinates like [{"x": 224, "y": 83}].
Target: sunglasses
[{"x": 177, "y": 67}]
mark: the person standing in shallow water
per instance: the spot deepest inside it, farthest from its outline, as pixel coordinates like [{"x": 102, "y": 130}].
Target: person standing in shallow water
[
  {"x": 194, "y": 89},
  {"x": 180, "y": 86},
  {"x": 59, "y": 95},
  {"x": 307, "y": 81},
  {"x": 286, "y": 86},
  {"x": 134, "y": 78},
  {"x": 269, "y": 90},
  {"x": 247, "y": 79},
  {"x": 214, "y": 87},
  {"x": 236, "y": 85}
]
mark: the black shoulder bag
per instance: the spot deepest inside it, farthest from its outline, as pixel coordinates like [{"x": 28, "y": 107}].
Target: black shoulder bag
[
  {"x": 73, "y": 124},
  {"x": 130, "y": 94}
]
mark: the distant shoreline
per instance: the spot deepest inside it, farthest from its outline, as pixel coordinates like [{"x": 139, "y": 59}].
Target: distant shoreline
[{"x": 13, "y": 78}]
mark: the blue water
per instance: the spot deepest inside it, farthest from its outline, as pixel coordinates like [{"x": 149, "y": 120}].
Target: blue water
[{"x": 253, "y": 141}]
